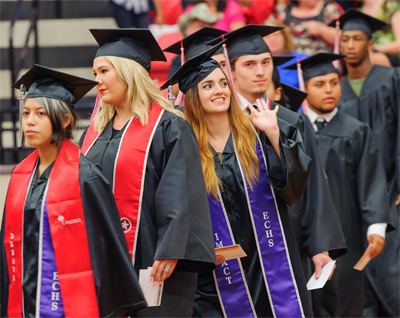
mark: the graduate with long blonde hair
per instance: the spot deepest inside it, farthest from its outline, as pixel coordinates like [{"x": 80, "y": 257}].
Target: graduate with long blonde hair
[
  {"x": 246, "y": 161},
  {"x": 149, "y": 154}
]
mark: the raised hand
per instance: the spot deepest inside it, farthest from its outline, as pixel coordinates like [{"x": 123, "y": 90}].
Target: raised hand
[{"x": 267, "y": 121}]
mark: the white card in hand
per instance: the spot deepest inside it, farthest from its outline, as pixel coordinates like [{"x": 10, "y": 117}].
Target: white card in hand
[
  {"x": 326, "y": 271},
  {"x": 152, "y": 293}
]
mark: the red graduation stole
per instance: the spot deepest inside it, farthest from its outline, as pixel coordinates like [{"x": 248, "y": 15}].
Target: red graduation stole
[
  {"x": 128, "y": 178},
  {"x": 70, "y": 241}
]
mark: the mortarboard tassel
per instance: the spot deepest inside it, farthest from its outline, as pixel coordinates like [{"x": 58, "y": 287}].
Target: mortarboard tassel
[
  {"x": 302, "y": 86},
  {"x": 228, "y": 64},
  {"x": 337, "y": 44},
  {"x": 21, "y": 98},
  {"x": 179, "y": 99},
  {"x": 95, "y": 108}
]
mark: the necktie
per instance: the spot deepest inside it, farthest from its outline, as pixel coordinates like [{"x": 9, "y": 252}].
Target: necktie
[{"x": 321, "y": 123}]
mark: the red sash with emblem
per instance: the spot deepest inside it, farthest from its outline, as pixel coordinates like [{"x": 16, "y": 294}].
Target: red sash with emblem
[
  {"x": 70, "y": 240},
  {"x": 129, "y": 170}
]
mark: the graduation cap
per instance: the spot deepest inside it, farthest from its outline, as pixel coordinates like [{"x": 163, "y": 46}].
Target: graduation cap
[
  {"x": 41, "y": 81},
  {"x": 354, "y": 19},
  {"x": 282, "y": 59},
  {"x": 134, "y": 44},
  {"x": 294, "y": 97},
  {"x": 194, "y": 70},
  {"x": 291, "y": 96},
  {"x": 279, "y": 60},
  {"x": 196, "y": 43},
  {"x": 248, "y": 40},
  {"x": 316, "y": 65}
]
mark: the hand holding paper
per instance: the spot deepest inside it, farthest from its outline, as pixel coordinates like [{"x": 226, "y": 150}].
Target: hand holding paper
[
  {"x": 229, "y": 252},
  {"x": 151, "y": 292},
  {"x": 326, "y": 273},
  {"x": 377, "y": 242}
]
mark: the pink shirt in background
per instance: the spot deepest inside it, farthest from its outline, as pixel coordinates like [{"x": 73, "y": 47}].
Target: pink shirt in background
[{"x": 232, "y": 14}]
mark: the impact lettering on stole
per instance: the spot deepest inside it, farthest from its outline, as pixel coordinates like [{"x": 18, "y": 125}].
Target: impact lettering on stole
[
  {"x": 268, "y": 231},
  {"x": 225, "y": 270},
  {"x": 55, "y": 294}
]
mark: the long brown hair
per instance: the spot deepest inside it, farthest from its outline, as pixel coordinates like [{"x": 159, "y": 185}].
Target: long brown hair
[{"x": 243, "y": 133}]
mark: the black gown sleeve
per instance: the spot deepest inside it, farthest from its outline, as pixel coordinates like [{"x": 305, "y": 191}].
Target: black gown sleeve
[
  {"x": 4, "y": 278},
  {"x": 117, "y": 287},
  {"x": 320, "y": 225},
  {"x": 182, "y": 214},
  {"x": 294, "y": 164},
  {"x": 371, "y": 180}
]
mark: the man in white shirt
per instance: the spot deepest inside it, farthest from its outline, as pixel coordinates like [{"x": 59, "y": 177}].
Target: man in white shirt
[{"x": 357, "y": 180}]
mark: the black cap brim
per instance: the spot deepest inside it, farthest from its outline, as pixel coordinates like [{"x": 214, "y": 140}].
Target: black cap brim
[
  {"x": 356, "y": 15},
  {"x": 200, "y": 37},
  {"x": 194, "y": 70},
  {"x": 279, "y": 60},
  {"x": 77, "y": 85},
  {"x": 317, "y": 65},
  {"x": 247, "y": 40},
  {"x": 295, "y": 97},
  {"x": 144, "y": 36}
]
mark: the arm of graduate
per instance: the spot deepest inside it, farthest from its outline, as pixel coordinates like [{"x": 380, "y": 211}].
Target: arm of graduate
[
  {"x": 288, "y": 164},
  {"x": 289, "y": 176},
  {"x": 4, "y": 278},
  {"x": 321, "y": 230},
  {"x": 116, "y": 282},
  {"x": 371, "y": 181},
  {"x": 182, "y": 214}
]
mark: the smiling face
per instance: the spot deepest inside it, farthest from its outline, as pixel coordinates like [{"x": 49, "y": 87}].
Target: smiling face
[
  {"x": 36, "y": 124},
  {"x": 214, "y": 92},
  {"x": 252, "y": 74},
  {"x": 111, "y": 89},
  {"x": 323, "y": 93}
]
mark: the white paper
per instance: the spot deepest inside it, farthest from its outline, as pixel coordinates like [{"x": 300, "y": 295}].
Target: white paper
[
  {"x": 326, "y": 271},
  {"x": 152, "y": 293}
]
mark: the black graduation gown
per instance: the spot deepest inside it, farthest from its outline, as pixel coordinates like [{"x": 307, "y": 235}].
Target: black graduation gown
[
  {"x": 234, "y": 198},
  {"x": 315, "y": 221},
  {"x": 116, "y": 283},
  {"x": 379, "y": 106},
  {"x": 356, "y": 175},
  {"x": 175, "y": 221}
]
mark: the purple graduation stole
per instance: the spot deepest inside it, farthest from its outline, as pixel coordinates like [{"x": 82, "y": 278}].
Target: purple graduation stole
[
  {"x": 49, "y": 302},
  {"x": 276, "y": 268}
]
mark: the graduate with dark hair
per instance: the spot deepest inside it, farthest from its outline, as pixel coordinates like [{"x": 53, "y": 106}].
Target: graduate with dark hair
[
  {"x": 371, "y": 93},
  {"x": 314, "y": 218},
  {"x": 63, "y": 252},
  {"x": 351, "y": 158},
  {"x": 247, "y": 163},
  {"x": 149, "y": 154}
]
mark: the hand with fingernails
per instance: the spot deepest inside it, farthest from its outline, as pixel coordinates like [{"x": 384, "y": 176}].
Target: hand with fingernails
[
  {"x": 162, "y": 269},
  {"x": 267, "y": 121}
]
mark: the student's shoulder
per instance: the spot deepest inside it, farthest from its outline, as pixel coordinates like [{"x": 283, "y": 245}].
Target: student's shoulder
[{"x": 351, "y": 125}]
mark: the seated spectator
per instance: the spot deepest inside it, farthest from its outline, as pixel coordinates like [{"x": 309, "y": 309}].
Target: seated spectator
[
  {"x": 256, "y": 11},
  {"x": 281, "y": 44},
  {"x": 130, "y": 13},
  {"x": 229, "y": 14},
  {"x": 307, "y": 21}
]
